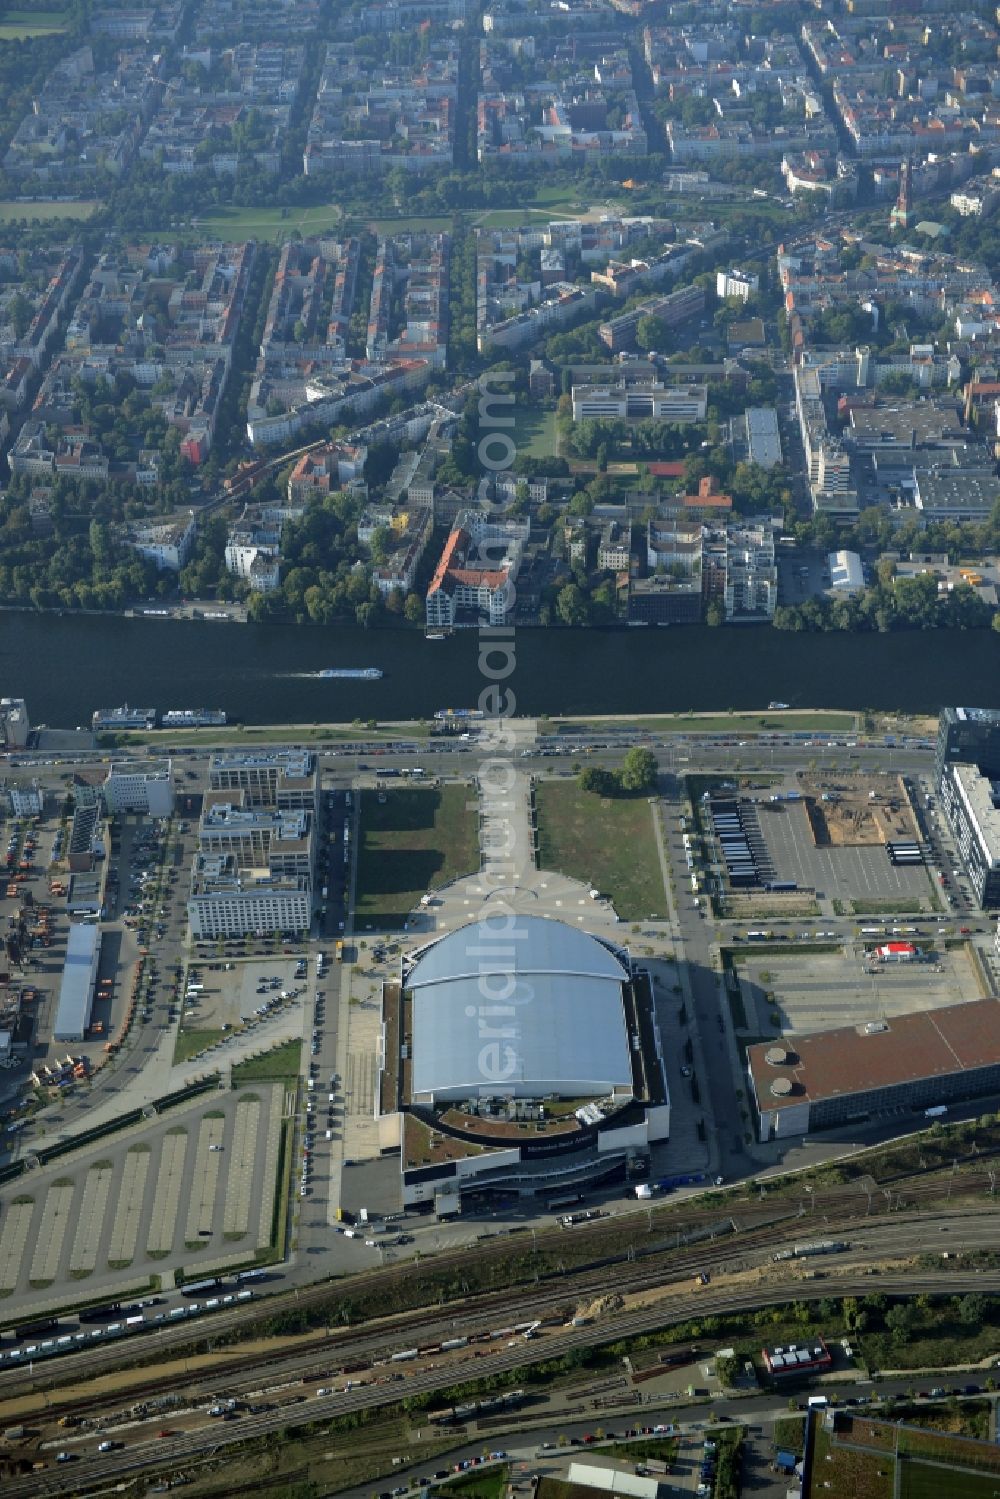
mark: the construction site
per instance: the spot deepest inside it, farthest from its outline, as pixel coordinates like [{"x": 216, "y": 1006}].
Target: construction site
[{"x": 858, "y": 811}]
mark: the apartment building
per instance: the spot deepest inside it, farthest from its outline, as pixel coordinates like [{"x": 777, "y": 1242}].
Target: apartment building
[
  {"x": 619, "y": 333},
  {"x": 736, "y": 283},
  {"x": 614, "y": 548},
  {"x": 474, "y": 578},
  {"x": 323, "y": 470},
  {"x": 167, "y": 546},
  {"x": 750, "y": 588}
]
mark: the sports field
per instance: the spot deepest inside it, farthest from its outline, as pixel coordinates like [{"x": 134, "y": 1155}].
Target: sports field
[
  {"x": 535, "y": 433},
  {"x": 933, "y": 1481},
  {"x": 21, "y": 25},
  {"x": 273, "y": 225},
  {"x": 45, "y": 208}
]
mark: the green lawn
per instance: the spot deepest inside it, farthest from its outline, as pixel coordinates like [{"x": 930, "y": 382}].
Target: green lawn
[
  {"x": 886, "y": 907},
  {"x": 439, "y": 224},
  {"x": 47, "y": 208},
  {"x": 190, "y": 1043},
  {"x": 278, "y": 734},
  {"x": 863, "y": 1475},
  {"x": 607, "y": 842},
  {"x": 930, "y": 1481},
  {"x": 726, "y": 723},
  {"x": 273, "y": 225},
  {"x": 411, "y": 842},
  {"x": 19, "y": 25},
  {"x": 489, "y": 1485},
  {"x": 535, "y": 433},
  {"x": 280, "y": 1064},
  {"x": 510, "y": 218}
]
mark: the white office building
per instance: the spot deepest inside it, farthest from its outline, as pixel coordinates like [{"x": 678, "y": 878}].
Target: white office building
[
  {"x": 26, "y": 801},
  {"x": 146, "y": 790},
  {"x": 640, "y": 402},
  {"x": 229, "y": 902}
]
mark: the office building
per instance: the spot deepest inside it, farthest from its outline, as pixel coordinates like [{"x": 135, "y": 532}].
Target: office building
[
  {"x": 642, "y": 402},
  {"x": 147, "y": 790}
]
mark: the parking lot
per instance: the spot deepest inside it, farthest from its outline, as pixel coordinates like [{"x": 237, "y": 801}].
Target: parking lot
[
  {"x": 846, "y": 874},
  {"x": 820, "y": 991},
  {"x": 193, "y": 1188},
  {"x": 223, "y": 995}
]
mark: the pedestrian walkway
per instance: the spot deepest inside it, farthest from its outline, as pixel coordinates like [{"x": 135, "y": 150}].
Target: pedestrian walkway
[
  {"x": 506, "y": 836},
  {"x": 142, "y": 1087}
]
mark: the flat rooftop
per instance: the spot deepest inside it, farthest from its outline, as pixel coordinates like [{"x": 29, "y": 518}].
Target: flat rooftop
[
  {"x": 291, "y": 761},
  {"x": 859, "y": 1059},
  {"x": 76, "y": 992},
  {"x": 980, "y": 793}
]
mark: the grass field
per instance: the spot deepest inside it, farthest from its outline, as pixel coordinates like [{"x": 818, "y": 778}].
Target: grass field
[
  {"x": 863, "y": 1475},
  {"x": 535, "y": 433},
  {"x": 282, "y": 1062},
  {"x": 510, "y": 218},
  {"x": 886, "y": 907},
  {"x": 20, "y": 25},
  {"x": 489, "y": 1485},
  {"x": 273, "y": 225},
  {"x": 931, "y": 1481},
  {"x": 276, "y": 734},
  {"x": 403, "y": 225},
  {"x": 410, "y": 843},
  {"x": 609, "y": 843},
  {"x": 190, "y": 1043},
  {"x": 725, "y": 723},
  {"x": 46, "y": 209}
]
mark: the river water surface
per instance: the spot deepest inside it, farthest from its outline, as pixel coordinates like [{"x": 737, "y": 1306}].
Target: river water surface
[{"x": 68, "y": 665}]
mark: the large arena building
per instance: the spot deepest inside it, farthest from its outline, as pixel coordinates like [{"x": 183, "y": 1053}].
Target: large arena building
[{"x": 521, "y": 1056}]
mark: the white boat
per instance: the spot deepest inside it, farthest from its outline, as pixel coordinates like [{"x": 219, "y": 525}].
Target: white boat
[
  {"x": 192, "y": 718},
  {"x": 776, "y": 707},
  {"x": 353, "y": 673}
]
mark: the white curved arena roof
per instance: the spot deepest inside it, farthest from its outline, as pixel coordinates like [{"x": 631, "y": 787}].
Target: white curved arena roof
[{"x": 525, "y": 1012}]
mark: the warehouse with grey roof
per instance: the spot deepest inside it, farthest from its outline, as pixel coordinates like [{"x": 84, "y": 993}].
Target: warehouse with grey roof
[{"x": 76, "y": 992}]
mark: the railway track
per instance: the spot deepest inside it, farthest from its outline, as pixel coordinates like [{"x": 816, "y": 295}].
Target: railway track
[
  {"x": 344, "y": 1354},
  {"x": 661, "y": 1259},
  {"x": 117, "y": 1468}
]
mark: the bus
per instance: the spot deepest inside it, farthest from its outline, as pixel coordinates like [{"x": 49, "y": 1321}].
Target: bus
[{"x": 340, "y": 951}]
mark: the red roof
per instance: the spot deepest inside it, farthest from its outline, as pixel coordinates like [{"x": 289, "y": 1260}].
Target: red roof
[
  {"x": 456, "y": 540},
  {"x": 852, "y": 1059},
  {"x": 899, "y": 949}
]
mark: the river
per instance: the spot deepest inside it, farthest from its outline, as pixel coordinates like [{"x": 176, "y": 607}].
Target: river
[{"x": 68, "y": 665}]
